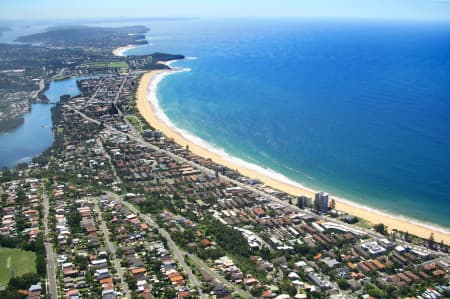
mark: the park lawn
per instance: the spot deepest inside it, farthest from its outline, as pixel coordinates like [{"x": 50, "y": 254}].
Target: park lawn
[
  {"x": 113, "y": 64},
  {"x": 135, "y": 122},
  {"x": 20, "y": 261}
]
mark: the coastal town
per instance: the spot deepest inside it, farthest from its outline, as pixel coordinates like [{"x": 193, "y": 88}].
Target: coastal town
[
  {"x": 116, "y": 208},
  {"x": 26, "y": 70}
]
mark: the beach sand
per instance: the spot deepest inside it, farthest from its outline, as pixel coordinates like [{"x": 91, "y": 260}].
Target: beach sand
[
  {"x": 120, "y": 50},
  {"x": 148, "y": 111}
]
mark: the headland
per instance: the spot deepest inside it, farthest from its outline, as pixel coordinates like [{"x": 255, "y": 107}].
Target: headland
[{"x": 121, "y": 50}]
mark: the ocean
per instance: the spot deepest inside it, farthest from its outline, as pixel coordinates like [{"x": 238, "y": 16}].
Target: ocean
[{"x": 360, "y": 109}]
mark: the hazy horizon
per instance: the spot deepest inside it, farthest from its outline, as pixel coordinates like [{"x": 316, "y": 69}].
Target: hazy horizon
[{"x": 19, "y": 10}]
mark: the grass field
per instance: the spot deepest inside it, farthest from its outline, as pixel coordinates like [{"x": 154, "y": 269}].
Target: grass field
[
  {"x": 135, "y": 122},
  {"x": 115, "y": 64},
  {"x": 20, "y": 261}
]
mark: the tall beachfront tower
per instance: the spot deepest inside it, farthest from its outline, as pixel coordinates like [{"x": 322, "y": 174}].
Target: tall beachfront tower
[{"x": 321, "y": 201}]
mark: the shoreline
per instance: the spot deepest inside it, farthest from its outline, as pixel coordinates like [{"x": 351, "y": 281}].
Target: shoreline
[
  {"x": 148, "y": 106},
  {"x": 120, "y": 51}
]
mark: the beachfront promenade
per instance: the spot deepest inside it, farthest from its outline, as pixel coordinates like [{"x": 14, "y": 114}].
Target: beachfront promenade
[
  {"x": 135, "y": 136},
  {"x": 191, "y": 197},
  {"x": 147, "y": 104}
]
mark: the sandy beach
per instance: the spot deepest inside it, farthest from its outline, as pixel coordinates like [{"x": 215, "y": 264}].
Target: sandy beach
[
  {"x": 120, "y": 50},
  {"x": 150, "y": 112}
]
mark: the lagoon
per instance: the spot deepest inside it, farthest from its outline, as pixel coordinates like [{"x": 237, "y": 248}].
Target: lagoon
[{"x": 35, "y": 135}]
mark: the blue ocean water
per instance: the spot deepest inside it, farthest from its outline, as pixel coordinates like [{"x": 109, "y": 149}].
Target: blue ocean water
[
  {"x": 35, "y": 135},
  {"x": 360, "y": 109}
]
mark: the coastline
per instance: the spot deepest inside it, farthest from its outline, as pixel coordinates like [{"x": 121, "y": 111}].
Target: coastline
[
  {"x": 120, "y": 51},
  {"x": 148, "y": 106}
]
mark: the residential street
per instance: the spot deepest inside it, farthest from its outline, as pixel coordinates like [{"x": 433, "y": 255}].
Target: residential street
[
  {"x": 112, "y": 250},
  {"x": 51, "y": 271},
  {"x": 179, "y": 254}
]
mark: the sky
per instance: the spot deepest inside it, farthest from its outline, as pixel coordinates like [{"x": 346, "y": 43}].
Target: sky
[{"x": 86, "y": 9}]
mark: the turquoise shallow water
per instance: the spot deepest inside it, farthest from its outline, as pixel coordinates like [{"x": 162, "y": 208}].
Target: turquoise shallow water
[{"x": 359, "y": 109}]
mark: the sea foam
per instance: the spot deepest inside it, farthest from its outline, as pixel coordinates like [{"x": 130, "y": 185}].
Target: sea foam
[{"x": 217, "y": 150}]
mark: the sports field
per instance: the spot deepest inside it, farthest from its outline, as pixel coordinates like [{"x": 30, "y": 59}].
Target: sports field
[
  {"x": 112, "y": 64},
  {"x": 15, "y": 261}
]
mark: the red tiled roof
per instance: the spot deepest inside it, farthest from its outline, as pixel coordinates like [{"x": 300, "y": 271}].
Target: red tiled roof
[{"x": 138, "y": 270}]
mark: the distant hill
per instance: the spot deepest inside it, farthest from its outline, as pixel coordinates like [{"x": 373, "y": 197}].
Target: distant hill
[
  {"x": 4, "y": 29},
  {"x": 86, "y": 36}
]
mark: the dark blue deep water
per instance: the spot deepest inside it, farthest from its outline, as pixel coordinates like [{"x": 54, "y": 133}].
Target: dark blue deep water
[{"x": 360, "y": 109}]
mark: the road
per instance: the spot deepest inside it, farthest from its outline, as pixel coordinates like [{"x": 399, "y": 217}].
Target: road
[
  {"x": 41, "y": 88},
  {"x": 51, "y": 271},
  {"x": 108, "y": 156},
  {"x": 60, "y": 73},
  {"x": 118, "y": 109},
  {"x": 179, "y": 254},
  {"x": 134, "y": 136},
  {"x": 118, "y": 95},
  {"x": 112, "y": 250},
  {"x": 219, "y": 278},
  {"x": 92, "y": 97}
]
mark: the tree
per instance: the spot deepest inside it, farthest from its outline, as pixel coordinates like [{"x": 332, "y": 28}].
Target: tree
[
  {"x": 228, "y": 238},
  {"x": 374, "y": 291},
  {"x": 332, "y": 204},
  {"x": 431, "y": 239},
  {"x": 380, "y": 228},
  {"x": 343, "y": 284},
  {"x": 81, "y": 261},
  {"x": 24, "y": 281},
  {"x": 169, "y": 293},
  {"x": 257, "y": 291},
  {"x": 407, "y": 237},
  {"x": 131, "y": 281},
  {"x": 6, "y": 172}
]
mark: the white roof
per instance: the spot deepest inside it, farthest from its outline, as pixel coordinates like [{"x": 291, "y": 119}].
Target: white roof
[
  {"x": 102, "y": 271},
  {"x": 97, "y": 262},
  {"x": 300, "y": 264},
  {"x": 400, "y": 248}
]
